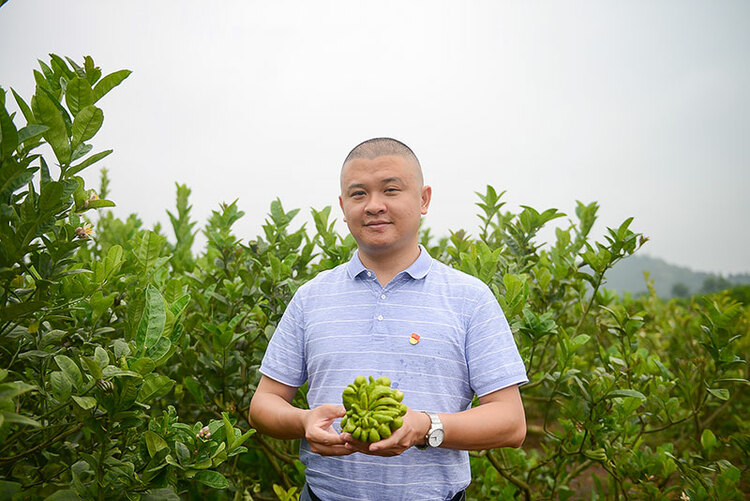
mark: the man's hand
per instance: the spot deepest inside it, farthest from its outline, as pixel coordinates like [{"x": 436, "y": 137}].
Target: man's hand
[
  {"x": 272, "y": 413},
  {"x": 412, "y": 432},
  {"x": 319, "y": 432}
]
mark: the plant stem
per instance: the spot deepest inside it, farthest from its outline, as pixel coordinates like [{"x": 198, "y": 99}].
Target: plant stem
[
  {"x": 34, "y": 450},
  {"x": 510, "y": 478}
]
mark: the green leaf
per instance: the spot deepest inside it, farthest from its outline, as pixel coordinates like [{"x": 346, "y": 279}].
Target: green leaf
[
  {"x": 93, "y": 367},
  {"x": 100, "y": 203},
  {"x": 212, "y": 479},
  {"x": 78, "y": 95},
  {"x": 720, "y": 393},
  {"x": 31, "y": 132},
  {"x": 15, "y": 311},
  {"x": 27, "y": 114},
  {"x": 12, "y": 417},
  {"x": 120, "y": 348},
  {"x": 80, "y": 150},
  {"x": 708, "y": 439},
  {"x": 149, "y": 249},
  {"x": 228, "y": 430},
  {"x": 596, "y": 454},
  {"x": 109, "y": 82},
  {"x": 79, "y": 71},
  {"x": 154, "y": 386},
  {"x": 143, "y": 365},
  {"x": 101, "y": 357},
  {"x": 160, "y": 349},
  {"x": 61, "y": 386},
  {"x": 86, "y": 124},
  {"x": 179, "y": 305},
  {"x": 74, "y": 169},
  {"x": 50, "y": 200},
  {"x": 48, "y": 114},
  {"x": 241, "y": 439},
  {"x": 11, "y": 390},
  {"x": 163, "y": 494},
  {"x": 64, "y": 495},
  {"x": 93, "y": 73},
  {"x": 112, "y": 371},
  {"x": 194, "y": 388},
  {"x": 8, "y": 135},
  {"x": 154, "y": 443},
  {"x": 183, "y": 453},
  {"x": 9, "y": 489},
  {"x": 625, "y": 393},
  {"x": 85, "y": 403},
  {"x": 579, "y": 341},
  {"x": 113, "y": 260},
  {"x": 70, "y": 369},
  {"x": 60, "y": 67},
  {"x": 152, "y": 321},
  {"x": 99, "y": 304}
]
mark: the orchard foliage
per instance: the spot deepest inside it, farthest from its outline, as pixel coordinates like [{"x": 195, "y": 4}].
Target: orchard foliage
[{"x": 127, "y": 360}]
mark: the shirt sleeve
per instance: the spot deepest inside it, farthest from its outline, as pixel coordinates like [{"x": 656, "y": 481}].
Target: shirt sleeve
[
  {"x": 284, "y": 360},
  {"x": 491, "y": 352}
]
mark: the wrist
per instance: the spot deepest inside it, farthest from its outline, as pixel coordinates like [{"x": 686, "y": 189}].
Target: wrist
[
  {"x": 303, "y": 416},
  {"x": 424, "y": 429}
]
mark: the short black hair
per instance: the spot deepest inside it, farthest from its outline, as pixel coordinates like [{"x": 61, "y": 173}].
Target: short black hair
[{"x": 381, "y": 146}]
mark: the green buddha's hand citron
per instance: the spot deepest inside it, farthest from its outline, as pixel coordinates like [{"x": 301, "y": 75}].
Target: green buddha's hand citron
[{"x": 373, "y": 409}]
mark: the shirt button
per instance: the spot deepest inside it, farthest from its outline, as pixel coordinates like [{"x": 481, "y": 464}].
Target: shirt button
[
  {"x": 380, "y": 317},
  {"x": 382, "y": 296},
  {"x": 369, "y": 274}
]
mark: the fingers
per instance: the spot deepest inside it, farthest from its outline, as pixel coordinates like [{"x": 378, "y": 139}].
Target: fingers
[
  {"x": 332, "y": 450},
  {"x": 386, "y": 447},
  {"x": 327, "y": 442}
]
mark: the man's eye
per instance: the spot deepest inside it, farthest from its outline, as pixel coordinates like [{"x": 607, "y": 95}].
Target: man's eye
[
  {"x": 391, "y": 190},
  {"x": 358, "y": 193}
]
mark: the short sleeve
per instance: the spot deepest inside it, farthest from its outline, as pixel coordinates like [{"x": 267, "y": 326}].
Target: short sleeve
[
  {"x": 491, "y": 352},
  {"x": 284, "y": 360}
]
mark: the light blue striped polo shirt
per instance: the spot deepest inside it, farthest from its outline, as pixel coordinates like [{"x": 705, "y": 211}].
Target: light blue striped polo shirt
[{"x": 343, "y": 323}]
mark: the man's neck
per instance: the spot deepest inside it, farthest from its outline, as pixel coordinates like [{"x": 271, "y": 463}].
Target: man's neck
[{"x": 387, "y": 266}]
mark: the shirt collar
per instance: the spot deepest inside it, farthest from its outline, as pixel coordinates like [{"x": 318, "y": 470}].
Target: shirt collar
[{"x": 417, "y": 270}]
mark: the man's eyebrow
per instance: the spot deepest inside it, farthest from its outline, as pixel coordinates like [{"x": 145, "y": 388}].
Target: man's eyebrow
[
  {"x": 391, "y": 180},
  {"x": 354, "y": 186}
]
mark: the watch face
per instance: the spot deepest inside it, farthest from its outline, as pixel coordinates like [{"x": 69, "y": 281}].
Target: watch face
[{"x": 436, "y": 438}]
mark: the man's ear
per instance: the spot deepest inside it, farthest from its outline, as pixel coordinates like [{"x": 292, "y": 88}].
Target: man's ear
[
  {"x": 341, "y": 204},
  {"x": 426, "y": 197}
]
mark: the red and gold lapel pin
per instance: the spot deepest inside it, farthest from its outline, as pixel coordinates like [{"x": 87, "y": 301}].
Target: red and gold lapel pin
[{"x": 414, "y": 339}]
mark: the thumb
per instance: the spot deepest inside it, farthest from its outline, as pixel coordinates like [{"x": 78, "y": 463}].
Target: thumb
[
  {"x": 330, "y": 411},
  {"x": 338, "y": 410}
]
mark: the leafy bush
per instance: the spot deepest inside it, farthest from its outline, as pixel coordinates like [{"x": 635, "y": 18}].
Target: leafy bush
[
  {"x": 87, "y": 330},
  {"x": 128, "y": 361}
]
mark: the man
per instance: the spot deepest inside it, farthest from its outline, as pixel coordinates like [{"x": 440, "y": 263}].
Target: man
[{"x": 393, "y": 311}]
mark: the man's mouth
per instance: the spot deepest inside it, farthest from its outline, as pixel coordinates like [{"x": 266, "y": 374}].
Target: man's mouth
[{"x": 377, "y": 224}]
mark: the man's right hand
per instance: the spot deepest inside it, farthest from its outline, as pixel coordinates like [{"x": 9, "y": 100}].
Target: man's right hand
[
  {"x": 319, "y": 432},
  {"x": 272, "y": 413}
]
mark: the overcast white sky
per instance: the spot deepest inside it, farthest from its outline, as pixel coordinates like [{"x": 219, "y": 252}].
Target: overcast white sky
[{"x": 642, "y": 106}]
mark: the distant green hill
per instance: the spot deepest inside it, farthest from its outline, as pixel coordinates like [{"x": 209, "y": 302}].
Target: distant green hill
[{"x": 669, "y": 280}]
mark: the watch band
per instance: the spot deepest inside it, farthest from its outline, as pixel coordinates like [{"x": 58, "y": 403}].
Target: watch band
[{"x": 436, "y": 429}]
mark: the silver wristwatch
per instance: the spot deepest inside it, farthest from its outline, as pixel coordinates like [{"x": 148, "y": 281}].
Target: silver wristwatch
[{"x": 435, "y": 435}]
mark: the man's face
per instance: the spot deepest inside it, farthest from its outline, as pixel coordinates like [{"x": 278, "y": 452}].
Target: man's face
[{"x": 383, "y": 201}]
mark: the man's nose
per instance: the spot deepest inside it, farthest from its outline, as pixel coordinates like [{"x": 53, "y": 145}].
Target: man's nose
[{"x": 375, "y": 205}]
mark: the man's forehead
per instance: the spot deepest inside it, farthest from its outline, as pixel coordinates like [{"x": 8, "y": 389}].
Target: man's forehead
[{"x": 410, "y": 167}]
